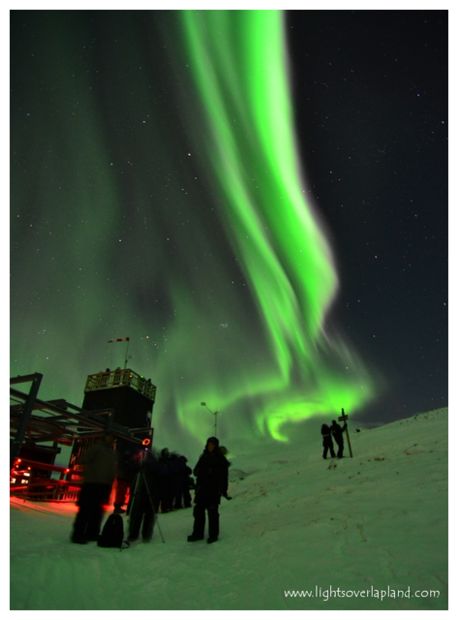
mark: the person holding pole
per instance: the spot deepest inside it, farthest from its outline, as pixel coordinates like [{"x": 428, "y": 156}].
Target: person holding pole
[{"x": 337, "y": 433}]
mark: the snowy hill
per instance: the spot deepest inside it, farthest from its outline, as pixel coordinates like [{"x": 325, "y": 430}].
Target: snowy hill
[{"x": 376, "y": 521}]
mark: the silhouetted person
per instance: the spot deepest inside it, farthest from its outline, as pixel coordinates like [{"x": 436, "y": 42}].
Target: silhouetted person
[
  {"x": 327, "y": 441},
  {"x": 211, "y": 474},
  {"x": 99, "y": 464},
  {"x": 337, "y": 433},
  {"x": 145, "y": 499},
  {"x": 165, "y": 481},
  {"x": 174, "y": 481},
  {"x": 182, "y": 494},
  {"x": 125, "y": 474}
]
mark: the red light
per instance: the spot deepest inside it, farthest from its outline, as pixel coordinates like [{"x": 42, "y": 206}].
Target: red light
[
  {"x": 66, "y": 470},
  {"x": 146, "y": 441}
]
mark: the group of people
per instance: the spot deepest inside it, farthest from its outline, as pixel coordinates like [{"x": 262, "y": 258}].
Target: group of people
[
  {"x": 155, "y": 483},
  {"x": 335, "y": 431},
  {"x": 173, "y": 479},
  {"x": 161, "y": 483}
]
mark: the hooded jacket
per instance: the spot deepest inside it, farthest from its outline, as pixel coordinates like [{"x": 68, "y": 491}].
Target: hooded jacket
[{"x": 211, "y": 474}]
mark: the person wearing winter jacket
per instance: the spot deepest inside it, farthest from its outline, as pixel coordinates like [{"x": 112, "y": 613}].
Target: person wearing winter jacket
[
  {"x": 327, "y": 441},
  {"x": 125, "y": 475},
  {"x": 182, "y": 495},
  {"x": 145, "y": 499},
  {"x": 165, "y": 481},
  {"x": 99, "y": 464},
  {"x": 337, "y": 432},
  {"x": 211, "y": 473}
]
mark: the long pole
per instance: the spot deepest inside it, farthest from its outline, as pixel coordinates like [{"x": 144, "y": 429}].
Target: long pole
[{"x": 344, "y": 418}]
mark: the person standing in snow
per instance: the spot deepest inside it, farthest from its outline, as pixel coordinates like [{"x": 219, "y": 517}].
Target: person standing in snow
[
  {"x": 165, "y": 481},
  {"x": 125, "y": 474},
  {"x": 327, "y": 441},
  {"x": 211, "y": 474},
  {"x": 183, "y": 496},
  {"x": 337, "y": 433},
  {"x": 145, "y": 499},
  {"x": 99, "y": 464}
]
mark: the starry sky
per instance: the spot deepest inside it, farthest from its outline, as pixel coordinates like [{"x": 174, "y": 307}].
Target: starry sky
[
  {"x": 257, "y": 199},
  {"x": 372, "y": 121}
]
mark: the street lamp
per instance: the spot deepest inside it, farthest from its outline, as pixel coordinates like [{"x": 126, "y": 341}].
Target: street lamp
[{"x": 215, "y": 413}]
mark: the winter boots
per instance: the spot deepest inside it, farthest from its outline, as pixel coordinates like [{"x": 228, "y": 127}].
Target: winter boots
[{"x": 193, "y": 538}]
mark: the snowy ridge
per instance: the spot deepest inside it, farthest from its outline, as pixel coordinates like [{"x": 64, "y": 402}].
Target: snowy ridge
[{"x": 376, "y": 521}]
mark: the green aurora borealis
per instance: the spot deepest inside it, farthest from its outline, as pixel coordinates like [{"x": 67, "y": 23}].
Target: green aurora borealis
[{"x": 157, "y": 194}]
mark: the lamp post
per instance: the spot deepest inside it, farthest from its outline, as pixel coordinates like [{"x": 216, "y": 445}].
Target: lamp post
[{"x": 215, "y": 413}]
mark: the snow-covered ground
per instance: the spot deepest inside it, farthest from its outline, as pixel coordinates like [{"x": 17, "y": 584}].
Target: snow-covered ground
[{"x": 379, "y": 519}]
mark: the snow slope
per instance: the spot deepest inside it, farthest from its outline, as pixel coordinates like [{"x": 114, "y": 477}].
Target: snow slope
[{"x": 379, "y": 519}]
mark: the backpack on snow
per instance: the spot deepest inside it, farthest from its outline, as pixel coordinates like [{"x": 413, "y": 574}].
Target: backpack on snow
[{"x": 112, "y": 533}]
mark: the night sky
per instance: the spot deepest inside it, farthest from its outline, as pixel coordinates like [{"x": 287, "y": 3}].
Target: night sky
[
  {"x": 261, "y": 206},
  {"x": 371, "y": 103}
]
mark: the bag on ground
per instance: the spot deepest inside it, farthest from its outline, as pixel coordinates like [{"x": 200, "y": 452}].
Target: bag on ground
[{"x": 112, "y": 533}]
